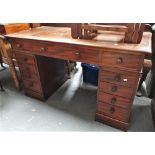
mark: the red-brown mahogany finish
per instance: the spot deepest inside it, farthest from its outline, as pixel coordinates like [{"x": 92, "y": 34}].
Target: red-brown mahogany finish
[{"x": 120, "y": 66}]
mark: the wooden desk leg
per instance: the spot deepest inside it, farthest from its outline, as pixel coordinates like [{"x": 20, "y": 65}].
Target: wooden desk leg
[
  {"x": 68, "y": 68},
  {"x": 13, "y": 72}
]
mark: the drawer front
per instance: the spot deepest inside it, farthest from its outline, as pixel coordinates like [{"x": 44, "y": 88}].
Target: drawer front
[
  {"x": 59, "y": 51},
  {"x": 114, "y": 100},
  {"x": 21, "y": 45},
  {"x": 114, "y": 89},
  {"x": 32, "y": 85},
  {"x": 28, "y": 72},
  {"x": 24, "y": 58},
  {"x": 113, "y": 111},
  {"x": 127, "y": 61},
  {"x": 87, "y": 56},
  {"x": 119, "y": 77}
]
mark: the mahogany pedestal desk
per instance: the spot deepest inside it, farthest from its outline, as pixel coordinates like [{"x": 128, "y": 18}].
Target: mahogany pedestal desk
[{"x": 120, "y": 66}]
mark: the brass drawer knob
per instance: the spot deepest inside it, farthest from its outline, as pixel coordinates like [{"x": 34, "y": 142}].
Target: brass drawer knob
[
  {"x": 43, "y": 49},
  {"x": 114, "y": 88},
  {"x": 118, "y": 78},
  {"x": 19, "y": 45},
  {"x": 113, "y": 100},
  {"x": 119, "y": 60},
  {"x": 112, "y": 110}
]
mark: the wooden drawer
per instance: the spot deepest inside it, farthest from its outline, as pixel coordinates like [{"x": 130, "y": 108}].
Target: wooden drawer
[
  {"x": 120, "y": 77},
  {"x": 24, "y": 58},
  {"x": 113, "y": 111},
  {"x": 87, "y": 56},
  {"x": 126, "y": 61},
  {"x": 114, "y": 89},
  {"x": 114, "y": 100},
  {"x": 32, "y": 85},
  {"x": 29, "y": 72},
  {"x": 59, "y": 51}
]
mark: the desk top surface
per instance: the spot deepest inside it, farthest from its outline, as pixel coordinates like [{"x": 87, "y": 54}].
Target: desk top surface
[{"x": 111, "y": 40}]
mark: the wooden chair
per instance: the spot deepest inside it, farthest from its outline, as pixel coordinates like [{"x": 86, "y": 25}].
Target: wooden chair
[
  {"x": 5, "y": 47},
  {"x": 132, "y": 31}
]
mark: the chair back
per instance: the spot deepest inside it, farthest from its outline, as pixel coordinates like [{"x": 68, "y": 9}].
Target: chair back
[{"x": 132, "y": 31}]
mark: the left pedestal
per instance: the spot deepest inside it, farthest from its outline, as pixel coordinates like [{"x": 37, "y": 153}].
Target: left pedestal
[{"x": 41, "y": 75}]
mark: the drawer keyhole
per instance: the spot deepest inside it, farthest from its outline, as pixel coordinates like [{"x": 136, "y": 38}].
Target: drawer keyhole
[
  {"x": 19, "y": 45},
  {"x": 118, "y": 78},
  {"x": 113, "y": 100},
  {"x": 112, "y": 110},
  {"x": 119, "y": 60},
  {"x": 114, "y": 88}
]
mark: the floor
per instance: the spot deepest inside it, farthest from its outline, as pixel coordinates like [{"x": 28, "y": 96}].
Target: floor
[{"x": 71, "y": 108}]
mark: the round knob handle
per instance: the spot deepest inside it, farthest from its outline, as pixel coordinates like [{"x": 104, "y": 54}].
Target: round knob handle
[
  {"x": 77, "y": 54},
  {"x": 113, "y": 100},
  {"x": 119, "y": 60},
  {"x": 112, "y": 110},
  {"x": 114, "y": 88},
  {"x": 118, "y": 78},
  {"x": 43, "y": 49},
  {"x": 19, "y": 45}
]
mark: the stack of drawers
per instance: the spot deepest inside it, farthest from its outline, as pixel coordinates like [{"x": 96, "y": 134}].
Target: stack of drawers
[
  {"x": 29, "y": 74},
  {"x": 117, "y": 88}
]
